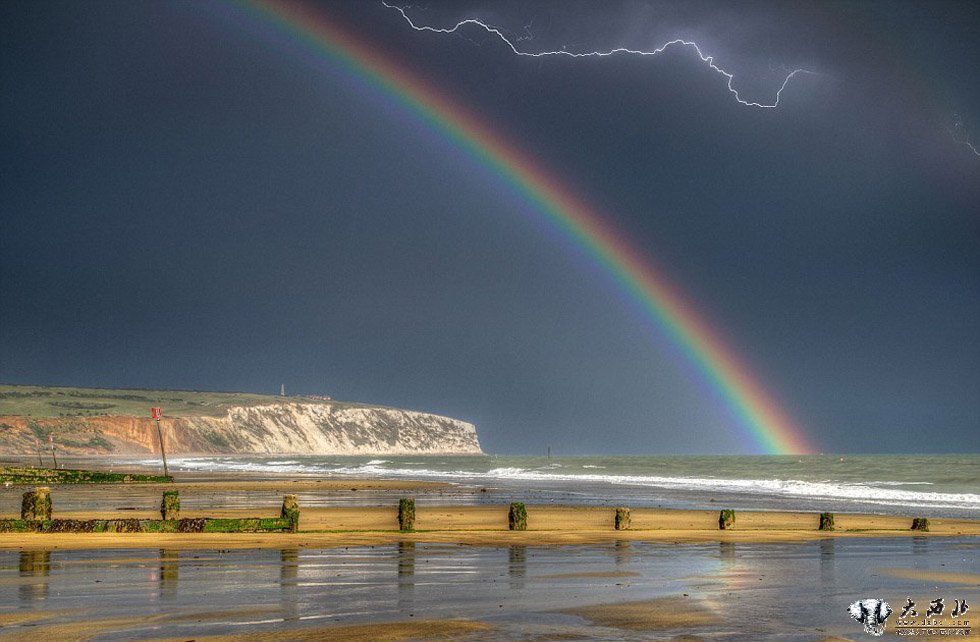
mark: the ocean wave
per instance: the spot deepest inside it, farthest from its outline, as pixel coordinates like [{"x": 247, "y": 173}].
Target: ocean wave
[
  {"x": 875, "y": 492},
  {"x": 208, "y": 464},
  {"x": 855, "y": 492}
]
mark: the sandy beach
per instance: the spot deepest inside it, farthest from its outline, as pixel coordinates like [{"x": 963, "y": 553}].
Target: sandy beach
[
  {"x": 349, "y": 574},
  {"x": 437, "y": 518}
]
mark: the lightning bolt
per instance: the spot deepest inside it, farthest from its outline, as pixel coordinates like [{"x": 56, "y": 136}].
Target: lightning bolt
[
  {"x": 960, "y": 134},
  {"x": 964, "y": 142},
  {"x": 690, "y": 44}
]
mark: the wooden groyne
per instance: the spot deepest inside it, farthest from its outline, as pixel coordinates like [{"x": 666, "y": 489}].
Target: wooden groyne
[
  {"x": 36, "y": 517},
  {"x": 16, "y": 475}
]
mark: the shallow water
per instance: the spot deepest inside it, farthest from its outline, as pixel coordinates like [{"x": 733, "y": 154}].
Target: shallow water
[{"x": 791, "y": 592}]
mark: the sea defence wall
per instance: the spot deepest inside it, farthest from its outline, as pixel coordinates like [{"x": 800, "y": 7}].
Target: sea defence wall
[
  {"x": 36, "y": 516},
  {"x": 288, "y": 428}
]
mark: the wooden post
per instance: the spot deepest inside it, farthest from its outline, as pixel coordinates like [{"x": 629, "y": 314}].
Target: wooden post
[
  {"x": 517, "y": 517},
  {"x": 622, "y": 518},
  {"x": 290, "y": 511},
  {"x": 36, "y": 506},
  {"x": 170, "y": 506},
  {"x": 726, "y": 520},
  {"x": 920, "y": 524},
  {"x": 37, "y": 446},
  {"x": 406, "y": 514},
  {"x": 826, "y": 522}
]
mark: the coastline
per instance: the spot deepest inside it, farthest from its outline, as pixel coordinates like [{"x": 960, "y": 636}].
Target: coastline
[
  {"x": 349, "y": 574},
  {"x": 372, "y": 520}
]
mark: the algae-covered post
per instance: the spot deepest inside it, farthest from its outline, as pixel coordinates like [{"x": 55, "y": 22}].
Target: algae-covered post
[
  {"x": 826, "y": 522},
  {"x": 726, "y": 519},
  {"x": 170, "y": 506},
  {"x": 517, "y": 517},
  {"x": 622, "y": 518},
  {"x": 290, "y": 511},
  {"x": 406, "y": 514},
  {"x": 36, "y": 506}
]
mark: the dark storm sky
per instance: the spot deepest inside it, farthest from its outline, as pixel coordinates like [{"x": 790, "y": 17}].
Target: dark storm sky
[{"x": 187, "y": 202}]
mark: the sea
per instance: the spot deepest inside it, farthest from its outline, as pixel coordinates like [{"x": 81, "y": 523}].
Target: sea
[
  {"x": 920, "y": 485},
  {"x": 774, "y": 591}
]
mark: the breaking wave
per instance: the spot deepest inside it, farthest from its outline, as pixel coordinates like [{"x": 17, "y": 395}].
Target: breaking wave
[{"x": 554, "y": 475}]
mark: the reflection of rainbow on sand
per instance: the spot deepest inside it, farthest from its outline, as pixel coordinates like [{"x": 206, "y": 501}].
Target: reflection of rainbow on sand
[{"x": 319, "y": 40}]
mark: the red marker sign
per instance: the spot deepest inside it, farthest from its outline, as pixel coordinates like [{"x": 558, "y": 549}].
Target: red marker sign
[{"x": 156, "y": 413}]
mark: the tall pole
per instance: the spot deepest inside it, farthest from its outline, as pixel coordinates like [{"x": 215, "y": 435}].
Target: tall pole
[
  {"x": 163, "y": 452},
  {"x": 37, "y": 447},
  {"x": 157, "y": 414}
]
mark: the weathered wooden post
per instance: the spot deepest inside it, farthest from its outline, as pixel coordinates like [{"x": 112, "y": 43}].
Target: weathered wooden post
[
  {"x": 290, "y": 511},
  {"x": 517, "y": 517},
  {"x": 726, "y": 519},
  {"x": 826, "y": 522},
  {"x": 170, "y": 507},
  {"x": 406, "y": 514},
  {"x": 920, "y": 524},
  {"x": 36, "y": 506},
  {"x": 622, "y": 518}
]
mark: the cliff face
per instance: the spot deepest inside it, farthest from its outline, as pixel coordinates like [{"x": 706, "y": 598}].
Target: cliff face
[{"x": 290, "y": 428}]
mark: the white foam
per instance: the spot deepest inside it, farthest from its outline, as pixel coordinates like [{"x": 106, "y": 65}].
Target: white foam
[
  {"x": 863, "y": 493},
  {"x": 888, "y": 493}
]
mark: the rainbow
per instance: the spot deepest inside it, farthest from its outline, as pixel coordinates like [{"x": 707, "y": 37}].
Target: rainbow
[{"x": 769, "y": 429}]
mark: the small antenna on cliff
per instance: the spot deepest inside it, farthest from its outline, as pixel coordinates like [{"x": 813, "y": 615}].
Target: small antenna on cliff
[{"x": 282, "y": 390}]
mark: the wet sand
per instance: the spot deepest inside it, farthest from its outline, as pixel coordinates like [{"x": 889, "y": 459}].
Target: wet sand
[
  {"x": 436, "y": 630},
  {"x": 620, "y": 591},
  {"x": 648, "y": 615}
]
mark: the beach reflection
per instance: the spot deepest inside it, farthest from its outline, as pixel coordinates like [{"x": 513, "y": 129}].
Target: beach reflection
[
  {"x": 920, "y": 545},
  {"x": 517, "y": 567},
  {"x": 406, "y": 559},
  {"x": 169, "y": 571},
  {"x": 406, "y": 576},
  {"x": 34, "y": 564},
  {"x": 828, "y": 549},
  {"x": 726, "y": 552},
  {"x": 622, "y": 552},
  {"x": 289, "y": 582},
  {"x": 746, "y": 586},
  {"x": 288, "y": 565}
]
